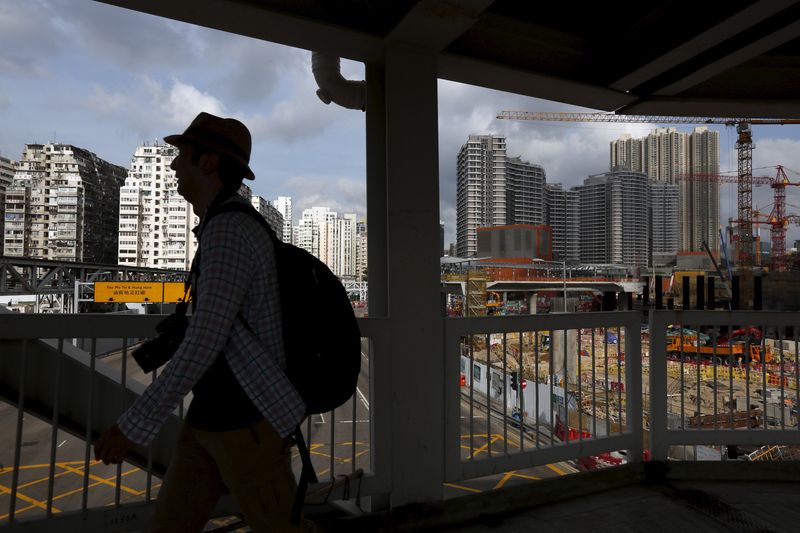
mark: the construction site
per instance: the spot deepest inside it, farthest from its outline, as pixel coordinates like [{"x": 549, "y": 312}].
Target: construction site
[{"x": 731, "y": 376}]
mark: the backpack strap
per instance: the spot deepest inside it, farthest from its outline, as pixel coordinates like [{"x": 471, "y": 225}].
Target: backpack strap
[
  {"x": 247, "y": 209},
  {"x": 307, "y": 475}
]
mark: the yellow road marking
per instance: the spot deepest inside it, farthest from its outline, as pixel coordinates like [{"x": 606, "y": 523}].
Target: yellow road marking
[
  {"x": 95, "y": 484},
  {"x": 462, "y": 487},
  {"x": 104, "y": 481},
  {"x": 505, "y": 478},
  {"x": 28, "y": 499},
  {"x": 485, "y": 447},
  {"x": 40, "y": 480},
  {"x": 524, "y": 476},
  {"x": 68, "y": 470},
  {"x": 18, "y": 511},
  {"x": 557, "y": 470},
  {"x": 43, "y": 465}
]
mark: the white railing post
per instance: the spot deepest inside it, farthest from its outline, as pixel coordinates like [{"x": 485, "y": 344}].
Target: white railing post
[
  {"x": 633, "y": 387},
  {"x": 658, "y": 387}
]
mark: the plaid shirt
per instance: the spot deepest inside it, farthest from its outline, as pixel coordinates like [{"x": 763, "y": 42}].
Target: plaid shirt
[{"x": 238, "y": 273}]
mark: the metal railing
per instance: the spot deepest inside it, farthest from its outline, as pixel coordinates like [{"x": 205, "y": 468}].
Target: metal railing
[
  {"x": 706, "y": 389},
  {"x": 582, "y": 396},
  {"x": 575, "y": 397},
  {"x": 58, "y": 398}
]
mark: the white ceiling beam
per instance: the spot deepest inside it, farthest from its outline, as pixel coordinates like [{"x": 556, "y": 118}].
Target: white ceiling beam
[
  {"x": 434, "y": 24},
  {"x": 755, "y": 49},
  {"x": 723, "y": 31},
  {"x": 260, "y": 22}
]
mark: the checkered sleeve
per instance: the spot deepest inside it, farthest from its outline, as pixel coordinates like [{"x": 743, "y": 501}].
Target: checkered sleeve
[{"x": 227, "y": 270}]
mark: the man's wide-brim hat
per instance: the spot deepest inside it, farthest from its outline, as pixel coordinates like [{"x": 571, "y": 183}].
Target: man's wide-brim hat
[{"x": 225, "y": 136}]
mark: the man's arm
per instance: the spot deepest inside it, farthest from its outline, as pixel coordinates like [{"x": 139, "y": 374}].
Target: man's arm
[{"x": 226, "y": 272}]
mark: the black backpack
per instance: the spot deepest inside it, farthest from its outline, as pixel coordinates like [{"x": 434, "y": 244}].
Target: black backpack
[{"x": 320, "y": 335}]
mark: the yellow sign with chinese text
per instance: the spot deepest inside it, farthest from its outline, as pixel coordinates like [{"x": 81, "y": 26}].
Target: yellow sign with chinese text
[{"x": 128, "y": 291}]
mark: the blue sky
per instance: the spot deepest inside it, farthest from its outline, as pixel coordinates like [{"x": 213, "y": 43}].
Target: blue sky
[{"x": 108, "y": 79}]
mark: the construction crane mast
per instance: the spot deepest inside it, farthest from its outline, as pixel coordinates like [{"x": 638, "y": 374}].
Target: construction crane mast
[
  {"x": 777, "y": 219},
  {"x": 744, "y": 145}
]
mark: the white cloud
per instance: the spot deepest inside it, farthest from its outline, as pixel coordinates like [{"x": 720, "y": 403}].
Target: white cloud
[
  {"x": 104, "y": 102},
  {"x": 185, "y": 101},
  {"x": 343, "y": 195}
]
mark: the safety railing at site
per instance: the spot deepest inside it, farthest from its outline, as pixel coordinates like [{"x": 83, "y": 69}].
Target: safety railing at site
[
  {"x": 723, "y": 384},
  {"x": 524, "y": 391},
  {"x": 65, "y": 378}
]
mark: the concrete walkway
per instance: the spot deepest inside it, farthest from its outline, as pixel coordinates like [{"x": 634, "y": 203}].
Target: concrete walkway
[{"x": 673, "y": 497}]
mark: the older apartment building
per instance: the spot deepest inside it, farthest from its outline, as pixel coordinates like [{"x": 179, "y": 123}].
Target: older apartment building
[
  {"x": 6, "y": 177},
  {"x": 270, "y": 213},
  {"x": 63, "y": 204}
]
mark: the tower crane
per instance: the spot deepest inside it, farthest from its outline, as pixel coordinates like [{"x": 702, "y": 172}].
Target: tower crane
[
  {"x": 777, "y": 220},
  {"x": 744, "y": 145}
]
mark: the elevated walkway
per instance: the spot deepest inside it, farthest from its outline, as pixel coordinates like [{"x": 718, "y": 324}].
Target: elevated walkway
[{"x": 654, "y": 497}]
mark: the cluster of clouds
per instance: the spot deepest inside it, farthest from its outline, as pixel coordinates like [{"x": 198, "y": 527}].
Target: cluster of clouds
[{"x": 108, "y": 79}]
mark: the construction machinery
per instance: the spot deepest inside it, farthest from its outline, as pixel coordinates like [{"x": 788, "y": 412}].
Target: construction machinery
[
  {"x": 744, "y": 145},
  {"x": 721, "y": 351}
]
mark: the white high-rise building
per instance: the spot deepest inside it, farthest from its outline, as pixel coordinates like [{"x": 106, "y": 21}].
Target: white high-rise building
[
  {"x": 63, "y": 204},
  {"x": 614, "y": 224},
  {"x": 480, "y": 189},
  {"x": 666, "y": 154},
  {"x": 343, "y": 253},
  {"x": 284, "y": 206},
  {"x": 332, "y": 239},
  {"x": 273, "y": 217},
  {"x": 494, "y": 190},
  {"x": 361, "y": 249},
  {"x": 700, "y": 199},
  {"x": 6, "y": 177},
  {"x": 561, "y": 213},
  {"x": 627, "y": 153},
  {"x": 524, "y": 192},
  {"x": 664, "y": 225},
  {"x": 155, "y": 224},
  {"x": 310, "y": 230}
]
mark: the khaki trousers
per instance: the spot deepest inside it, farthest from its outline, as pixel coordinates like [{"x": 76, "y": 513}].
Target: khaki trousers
[{"x": 254, "y": 463}]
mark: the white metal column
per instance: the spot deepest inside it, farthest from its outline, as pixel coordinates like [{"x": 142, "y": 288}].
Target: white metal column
[{"x": 416, "y": 359}]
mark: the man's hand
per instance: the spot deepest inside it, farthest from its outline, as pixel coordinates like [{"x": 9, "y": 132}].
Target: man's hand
[{"x": 112, "y": 446}]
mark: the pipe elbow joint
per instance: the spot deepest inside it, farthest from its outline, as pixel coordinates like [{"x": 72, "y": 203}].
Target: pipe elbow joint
[{"x": 333, "y": 87}]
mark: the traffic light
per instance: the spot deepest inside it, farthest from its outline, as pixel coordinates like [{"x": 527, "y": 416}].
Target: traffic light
[{"x": 514, "y": 380}]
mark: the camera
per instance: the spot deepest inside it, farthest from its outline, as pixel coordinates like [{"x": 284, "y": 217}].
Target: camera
[{"x": 158, "y": 350}]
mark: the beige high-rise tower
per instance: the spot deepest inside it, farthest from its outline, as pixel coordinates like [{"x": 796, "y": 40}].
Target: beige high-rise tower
[
  {"x": 664, "y": 155},
  {"x": 700, "y": 198}
]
